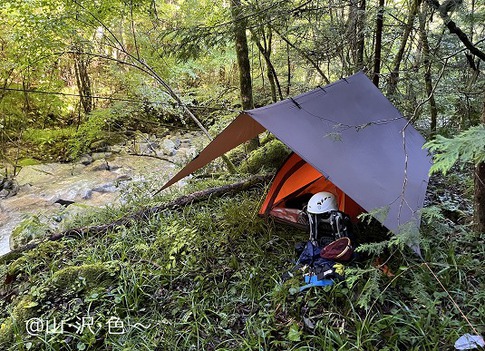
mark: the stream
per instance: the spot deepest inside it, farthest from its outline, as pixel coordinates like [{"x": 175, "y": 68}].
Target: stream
[{"x": 96, "y": 180}]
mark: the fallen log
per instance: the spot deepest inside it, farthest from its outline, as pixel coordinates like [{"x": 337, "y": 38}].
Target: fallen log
[{"x": 143, "y": 214}]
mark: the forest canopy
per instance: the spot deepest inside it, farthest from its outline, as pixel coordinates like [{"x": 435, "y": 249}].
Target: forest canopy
[{"x": 73, "y": 69}]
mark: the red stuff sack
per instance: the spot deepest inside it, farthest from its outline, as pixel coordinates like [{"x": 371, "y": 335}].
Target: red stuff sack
[{"x": 339, "y": 250}]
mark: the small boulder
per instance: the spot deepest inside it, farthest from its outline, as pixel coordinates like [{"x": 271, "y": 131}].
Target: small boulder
[
  {"x": 8, "y": 188},
  {"x": 87, "y": 194},
  {"x": 106, "y": 188},
  {"x": 99, "y": 165},
  {"x": 168, "y": 147},
  {"x": 148, "y": 148},
  {"x": 123, "y": 178},
  {"x": 177, "y": 143},
  {"x": 100, "y": 155},
  {"x": 86, "y": 159},
  {"x": 116, "y": 149},
  {"x": 185, "y": 143},
  {"x": 64, "y": 203},
  {"x": 4, "y": 193}
]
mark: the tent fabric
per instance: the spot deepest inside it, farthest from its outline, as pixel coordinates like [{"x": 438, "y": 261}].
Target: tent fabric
[
  {"x": 352, "y": 135},
  {"x": 240, "y": 130},
  {"x": 295, "y": 179}
]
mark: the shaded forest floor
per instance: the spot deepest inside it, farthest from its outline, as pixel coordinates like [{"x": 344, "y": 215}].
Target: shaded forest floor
[{"x": 209, "y": 277}]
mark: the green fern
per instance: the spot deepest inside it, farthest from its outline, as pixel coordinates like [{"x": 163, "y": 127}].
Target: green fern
[
  {"x": 368, "y": 284},
  {"x": 469, "y": 146},
  {"x": 432, "y": 214},
  {"x": 373, "y": 249},
  {"x": 380, "y": 214},
  {"x": 407, "y": 237}
]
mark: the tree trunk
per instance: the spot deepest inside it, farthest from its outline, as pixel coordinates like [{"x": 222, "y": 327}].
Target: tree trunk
[
  {"x": 272, "y": 78},
  {"x": 242, "y": 53},
  {"x": 27, "y": 109},
  {"x": 270, "y": 70},
  {"x": 427, "y": 73},
  {"x": 394, "y": 77},
  {"x": 355, "y": 31},
  {"x": 3, "y": 140},
  {"x": 83, "y": 82},
  {"x": 288, "y": 74},
  {"x": 479, "y": 194},
  {"x": 378, "y": 44},
  {"x": 352, "y": 32},
  {"x": 361, "y": 35}
]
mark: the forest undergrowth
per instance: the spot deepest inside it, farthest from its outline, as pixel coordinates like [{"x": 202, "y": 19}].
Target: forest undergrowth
[{"x": 210, "y": 277}]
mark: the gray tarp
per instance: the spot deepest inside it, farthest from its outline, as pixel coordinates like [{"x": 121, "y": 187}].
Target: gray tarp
[{"x": 350, "y": 133}]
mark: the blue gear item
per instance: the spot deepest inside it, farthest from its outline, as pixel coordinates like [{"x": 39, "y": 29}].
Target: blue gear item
[
  {"x": 313, "y": 280},
  {"x": 310, "y": 253}
]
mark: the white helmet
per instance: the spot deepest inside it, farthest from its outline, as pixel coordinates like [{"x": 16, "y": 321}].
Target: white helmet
[{"x": 322, "y": 202}]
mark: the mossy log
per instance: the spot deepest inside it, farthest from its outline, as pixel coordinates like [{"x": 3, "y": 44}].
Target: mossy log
[{"x": 143, "y": 214}]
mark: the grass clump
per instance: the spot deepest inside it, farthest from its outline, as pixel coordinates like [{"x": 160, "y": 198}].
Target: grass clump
[
  {"x": 28, "y": 161},
  {"x": 209, "y": 277}
]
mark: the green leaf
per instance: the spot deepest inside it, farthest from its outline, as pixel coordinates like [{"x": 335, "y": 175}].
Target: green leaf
[
  {"x": 31, "y": 304},
  {"x": 295, "y": 333}
]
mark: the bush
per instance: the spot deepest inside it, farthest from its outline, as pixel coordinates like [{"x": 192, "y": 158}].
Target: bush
[
  {"x": 48, "y": 144},
  {"x": 95, "y": 132}
]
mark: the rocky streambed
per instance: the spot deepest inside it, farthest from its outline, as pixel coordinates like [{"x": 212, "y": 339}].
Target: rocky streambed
[{"x": 45, "y": 191}]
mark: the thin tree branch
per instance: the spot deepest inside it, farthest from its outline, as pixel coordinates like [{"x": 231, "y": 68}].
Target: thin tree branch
[
  {"x": 302, "y": 53},
  {"x": 454, "y": 29},
  {"x": 133, "y": 31},
  {"x": 416, "y": 110}
]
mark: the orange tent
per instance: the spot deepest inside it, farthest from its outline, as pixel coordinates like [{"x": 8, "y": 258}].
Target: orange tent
[{"x": 293, "y": 185}]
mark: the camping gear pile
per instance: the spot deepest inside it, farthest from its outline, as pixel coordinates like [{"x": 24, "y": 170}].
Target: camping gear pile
[{"x": 329, "y": 247}]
